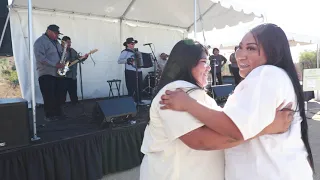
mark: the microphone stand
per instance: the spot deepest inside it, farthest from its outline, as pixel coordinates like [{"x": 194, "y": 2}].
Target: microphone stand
[
  {"x": 215, "y": 72},
  {"x": 154, "y": 57},
  {"x": 81, "y": 88},
  {"x": 137, "y": 82},
  {"x": 214, "y": 76},
  {"x": 137, "y": 86}
]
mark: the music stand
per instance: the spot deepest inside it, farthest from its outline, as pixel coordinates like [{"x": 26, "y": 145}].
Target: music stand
[
  {"x": 81, "y": 88},
  {"x": 154, "y": 59}
]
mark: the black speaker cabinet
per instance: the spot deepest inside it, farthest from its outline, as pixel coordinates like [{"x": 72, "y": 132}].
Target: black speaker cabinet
[
  {"x": 14, "y": 123},
  {"x": 112, "y": 110},
  {"x": 222, "y": 90}
]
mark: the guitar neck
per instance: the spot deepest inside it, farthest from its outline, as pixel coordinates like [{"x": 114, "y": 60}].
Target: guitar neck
[{"x": 75, "y": 62}]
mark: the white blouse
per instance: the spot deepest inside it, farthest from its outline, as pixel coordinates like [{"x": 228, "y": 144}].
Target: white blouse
[
  {"x": 252, "y": 107},
  {"x": 166, "y": 156}
]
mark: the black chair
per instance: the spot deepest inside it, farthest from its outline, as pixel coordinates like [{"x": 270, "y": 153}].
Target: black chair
[{"x": 118, "y": 83}]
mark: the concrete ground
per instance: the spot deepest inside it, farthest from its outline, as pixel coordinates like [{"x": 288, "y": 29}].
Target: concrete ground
[{"x": 313, "y": 115}]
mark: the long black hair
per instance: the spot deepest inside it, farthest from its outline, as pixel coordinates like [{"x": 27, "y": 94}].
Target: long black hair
[
  {"x": 277, "y": 50},
  {"x": 184, "y": 56}
]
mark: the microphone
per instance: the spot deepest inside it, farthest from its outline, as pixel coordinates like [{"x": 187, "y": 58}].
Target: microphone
[{"x": 147, "y": 44}]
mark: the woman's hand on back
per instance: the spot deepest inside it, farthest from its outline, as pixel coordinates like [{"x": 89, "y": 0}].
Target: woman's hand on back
[
  {"x": 282, "y": 121},
  {"x": 177, "y": 100}
]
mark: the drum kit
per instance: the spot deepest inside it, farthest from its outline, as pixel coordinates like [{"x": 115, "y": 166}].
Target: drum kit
[{"x": 149, "y": 84}]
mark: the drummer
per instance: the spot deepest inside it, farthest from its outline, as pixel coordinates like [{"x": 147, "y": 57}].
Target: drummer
[{"x": 163, "y": 60}]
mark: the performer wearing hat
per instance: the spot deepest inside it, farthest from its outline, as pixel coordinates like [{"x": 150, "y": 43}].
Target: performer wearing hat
[
  {"x": 48, "y": 52},
  {"x": 128, "y": 57}
]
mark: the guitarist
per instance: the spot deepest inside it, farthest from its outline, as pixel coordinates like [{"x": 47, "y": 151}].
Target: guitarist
[{"x": 68, "y": 84}]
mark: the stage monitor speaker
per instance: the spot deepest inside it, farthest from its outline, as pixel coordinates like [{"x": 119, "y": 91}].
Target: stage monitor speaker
[
  {"x": 14, "y": 123},
  {"x": 222, "y": 90},
  {"x": 111, "y": 110}
]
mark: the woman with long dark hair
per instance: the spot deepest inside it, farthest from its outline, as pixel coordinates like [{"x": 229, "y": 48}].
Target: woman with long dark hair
[
  {"x": 265, "y": 62},
  {"x": 174, "y": 142}
]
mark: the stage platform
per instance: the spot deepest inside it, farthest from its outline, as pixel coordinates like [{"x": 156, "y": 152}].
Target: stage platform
[{"x": 76, "y": 148}]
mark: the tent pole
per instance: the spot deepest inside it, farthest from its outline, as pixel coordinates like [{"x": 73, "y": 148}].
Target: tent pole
[
  {"x": 317, "y": 92},
  {"x": 121, "y": 31},
  {"x": 123, "y": 84},
  {"x": 317, "y": 55},
  {"x": 5, "y": 27},
  {"x": 195, "y": 19},
  {"x": 33, "y": 101}
]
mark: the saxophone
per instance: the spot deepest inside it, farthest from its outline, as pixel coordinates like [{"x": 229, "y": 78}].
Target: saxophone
[{"x": 63, "y": 71}]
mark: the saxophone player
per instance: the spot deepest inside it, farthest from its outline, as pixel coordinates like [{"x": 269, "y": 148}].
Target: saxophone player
[
  {"x": 48, "y": 51},
  {"x": 128, "y": 57}
]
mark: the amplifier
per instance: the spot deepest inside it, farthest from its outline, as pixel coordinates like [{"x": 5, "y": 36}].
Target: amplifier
[{"x": 14, "y": 123}]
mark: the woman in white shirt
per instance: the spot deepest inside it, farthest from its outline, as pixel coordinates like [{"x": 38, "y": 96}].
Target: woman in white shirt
[
  {"x": 169, "y": 138},
  {"x": 265, "y": 62}
]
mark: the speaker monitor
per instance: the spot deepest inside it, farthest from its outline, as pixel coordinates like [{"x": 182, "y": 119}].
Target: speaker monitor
[
  {"x": 14, "y": 123},
  {"x": 111, "y": 110},
  {"x": 222, "y": 90}
]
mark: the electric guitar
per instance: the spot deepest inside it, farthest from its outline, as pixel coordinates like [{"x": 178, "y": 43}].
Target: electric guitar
[{"x": 64, "y": 70}]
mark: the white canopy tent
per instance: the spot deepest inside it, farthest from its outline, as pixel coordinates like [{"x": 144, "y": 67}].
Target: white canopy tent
[
  {"x": 228, "y": 37},
  {"x": 169, "y": 13},
  {"x": 105, "y": 25}
]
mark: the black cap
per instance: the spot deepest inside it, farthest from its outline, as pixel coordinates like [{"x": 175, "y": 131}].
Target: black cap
[
  {"x": 54, "y": 28},
  {"x": 130, "y": 40}
]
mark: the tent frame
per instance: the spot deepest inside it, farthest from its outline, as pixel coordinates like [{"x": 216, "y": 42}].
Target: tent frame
[{"x": 120, "y": 19}]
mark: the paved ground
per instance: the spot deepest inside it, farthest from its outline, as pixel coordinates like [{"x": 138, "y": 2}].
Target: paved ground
[{"x": 313, "y": 114}]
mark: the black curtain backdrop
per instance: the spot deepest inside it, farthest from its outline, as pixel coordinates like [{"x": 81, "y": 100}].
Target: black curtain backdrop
[
  {"x": 87, "y": 157},
  {"x": 6, "y": 47}
]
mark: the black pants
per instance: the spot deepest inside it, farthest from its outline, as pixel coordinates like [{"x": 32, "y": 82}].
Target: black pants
[
  {"x": 236, "y": 75},
  {"x": 67, "y": 85},
  {"x": 49, "y": 90},
  {"x": 131, "y": 83},
  {"x": 219, "y": 77}
]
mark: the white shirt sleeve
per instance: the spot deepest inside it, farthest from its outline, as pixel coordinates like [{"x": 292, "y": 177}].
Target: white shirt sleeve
[
  {"x": 253, "y": 105},
  {"x": 177, "y": 123}
]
